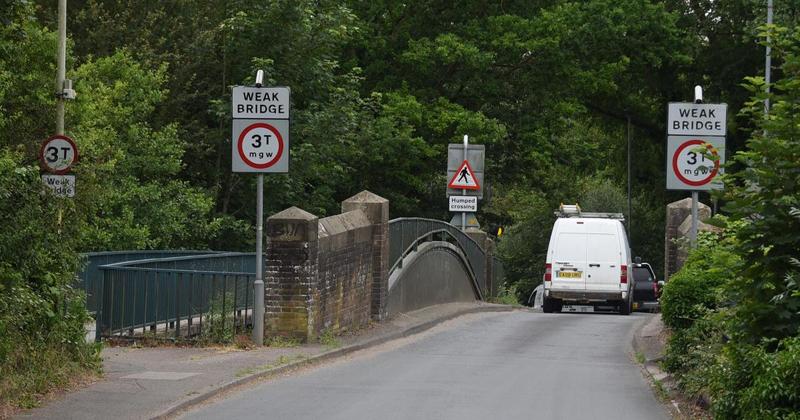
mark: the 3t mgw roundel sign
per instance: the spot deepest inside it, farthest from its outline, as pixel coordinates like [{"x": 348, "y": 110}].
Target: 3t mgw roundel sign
[
  {"x": 58, "y": 154},
  {"x": 260, "y": 145},
  {"x": 694, "y": 162}
]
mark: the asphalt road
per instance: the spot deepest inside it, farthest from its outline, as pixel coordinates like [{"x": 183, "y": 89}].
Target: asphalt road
[{"x": 518, "y": 365}]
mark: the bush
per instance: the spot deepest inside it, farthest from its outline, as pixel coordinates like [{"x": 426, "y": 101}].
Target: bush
[
  {"x": 698, "y": 286},
  {"x": 750, "y": 382},
  {"x": 42, "y": 317},
  {"x": 692, "y": 352}
]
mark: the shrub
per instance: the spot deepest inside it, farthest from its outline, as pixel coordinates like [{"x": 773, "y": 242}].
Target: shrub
[
  {"x": 750, "y": 382},
  {"x": 42, "y": 337},
  {"x": 698, "y": 286},
  {"x": 692, "y": 352}
]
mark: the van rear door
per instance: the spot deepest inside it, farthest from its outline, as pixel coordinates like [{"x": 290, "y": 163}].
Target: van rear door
[
  {"x": 569, "y": 257},
  {"x": 603, "y": 257}
]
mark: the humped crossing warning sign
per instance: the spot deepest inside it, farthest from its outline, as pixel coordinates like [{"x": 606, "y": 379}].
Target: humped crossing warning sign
[{"x": 464, "y": 178}]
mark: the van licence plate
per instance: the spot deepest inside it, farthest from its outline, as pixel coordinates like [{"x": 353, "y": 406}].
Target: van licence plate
[{"x": 570, "y": 274}]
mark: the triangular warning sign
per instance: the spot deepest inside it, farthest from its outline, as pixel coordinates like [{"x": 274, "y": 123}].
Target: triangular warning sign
[{"x": 464, "y": 179}]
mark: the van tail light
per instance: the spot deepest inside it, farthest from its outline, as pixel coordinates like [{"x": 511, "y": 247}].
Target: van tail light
[
  {"x": 623, "y": 274},
  {"x": 548, "y": 272}
]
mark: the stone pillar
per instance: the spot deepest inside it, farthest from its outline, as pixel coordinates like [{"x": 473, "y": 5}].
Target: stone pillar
[
  {"x": 377, "y": 210},
  {"x": 291, "y": 273},
  {"x": 679, "y": 212}
]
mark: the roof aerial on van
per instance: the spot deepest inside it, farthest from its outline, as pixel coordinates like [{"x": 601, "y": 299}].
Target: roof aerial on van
[{"x": 575, "y": 211}]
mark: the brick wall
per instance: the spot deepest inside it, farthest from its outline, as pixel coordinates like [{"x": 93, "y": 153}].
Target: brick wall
[
  {"x": 326, "y": 274},
  {"x": 344, "y": 270}
]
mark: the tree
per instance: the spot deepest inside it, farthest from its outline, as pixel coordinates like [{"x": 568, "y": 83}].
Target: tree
[{"x": 766, "y": 193}]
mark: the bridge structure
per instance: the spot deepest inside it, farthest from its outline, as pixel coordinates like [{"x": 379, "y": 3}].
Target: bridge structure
[{"x": 330, "y": 274}]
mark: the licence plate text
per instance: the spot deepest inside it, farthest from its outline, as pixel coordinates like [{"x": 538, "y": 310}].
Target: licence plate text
[{"x": 570, "y": 274}]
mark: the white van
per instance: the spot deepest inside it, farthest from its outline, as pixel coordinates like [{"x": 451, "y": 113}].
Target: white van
[{"x": 587, "y": 261}]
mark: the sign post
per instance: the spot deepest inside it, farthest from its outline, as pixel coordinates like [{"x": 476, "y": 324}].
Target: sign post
[
  {"x": 260, "y": 144},
  {"x": 695, "y": 148},
  {"x": 465, "y": 170},
  {"x": 464, "y": 191},
  {"x": 56, "y": 156}
]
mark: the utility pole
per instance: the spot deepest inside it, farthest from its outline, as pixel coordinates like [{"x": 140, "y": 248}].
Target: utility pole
[
  {"x": 630, "y": 214},
  {"x": 61, "y": 65},
  {"x": 768, "y": 59}
]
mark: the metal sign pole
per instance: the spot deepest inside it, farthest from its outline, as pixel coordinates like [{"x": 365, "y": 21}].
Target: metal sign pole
[
  {"x": 258, "y": 285},
  {"x": 693, "y": 232},
  {"x": 258, "y": 295},
  {"x": 698, "y": 99},
  {"x": 464, "y": 192}
]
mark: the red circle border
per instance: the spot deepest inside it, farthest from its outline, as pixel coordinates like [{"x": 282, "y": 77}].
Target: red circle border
[
  {"x": 41, "y": 154},
  {"x": 678, "y": 173},
  {"x": 260, "y": 165}
]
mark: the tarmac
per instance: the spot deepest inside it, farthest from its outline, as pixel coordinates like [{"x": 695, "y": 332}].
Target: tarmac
[{"x": 159, "y": 382}]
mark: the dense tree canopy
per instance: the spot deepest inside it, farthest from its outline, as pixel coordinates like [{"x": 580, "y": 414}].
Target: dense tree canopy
[{"x": 378, "y": 90}]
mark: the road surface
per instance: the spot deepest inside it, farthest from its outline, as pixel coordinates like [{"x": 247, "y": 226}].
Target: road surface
[{"x": 518, "y": 365}]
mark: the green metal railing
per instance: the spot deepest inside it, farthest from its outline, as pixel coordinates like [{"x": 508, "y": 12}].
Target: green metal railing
[
  {"x": 90, "y": 278},
  {"x": 182, "y": 296}
]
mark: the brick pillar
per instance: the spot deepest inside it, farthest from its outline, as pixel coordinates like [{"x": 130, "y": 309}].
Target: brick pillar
[
  {"x": 291, "y": 274},
  {"x": 677, "y": 213},
  {"x": 377, "y": 210}
]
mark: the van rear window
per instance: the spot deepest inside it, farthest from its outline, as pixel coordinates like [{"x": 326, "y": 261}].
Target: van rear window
[
  {"x": 571, "y": 247},
  {"x": 603, "y": 248}
]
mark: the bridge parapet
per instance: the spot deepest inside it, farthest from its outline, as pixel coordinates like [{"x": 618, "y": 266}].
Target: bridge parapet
[{"x": 326, "y": 274}]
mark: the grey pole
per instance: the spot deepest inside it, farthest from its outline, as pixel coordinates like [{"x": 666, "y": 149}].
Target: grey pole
[
  {"x": 693, "y": 233},
  {"x": 258, "y": 295},
  {"x": 464, "y": 192},
  {"x": 698, "y": 98},
  {"x": 630, "y": 214},
  {"x": 258, "y": 285},
  {"x": 768, "y": 59},
  {"x": 61, "y": 65}
]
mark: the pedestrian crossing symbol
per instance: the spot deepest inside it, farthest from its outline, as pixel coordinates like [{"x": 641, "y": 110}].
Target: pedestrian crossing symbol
[{"x": 464, "y": 178}]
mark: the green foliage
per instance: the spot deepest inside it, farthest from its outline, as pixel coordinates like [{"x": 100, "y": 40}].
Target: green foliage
[
  {"x": 752, "y": 382},
  {"x": 746, "y": 356},
  {"x": 767, "y": 191},
  {"x": 329, "y": 339},
  {"x": 692, "y": 352},
  {"x": 698, "y": 286},
  {"x": 506, "y": 295},
  {"x": 128, "y": 171},
  {"x": 42, "y": 336}
]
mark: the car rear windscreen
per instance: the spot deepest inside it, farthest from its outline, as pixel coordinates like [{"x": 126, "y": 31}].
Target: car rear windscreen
[{"x": 641, "y": 274}]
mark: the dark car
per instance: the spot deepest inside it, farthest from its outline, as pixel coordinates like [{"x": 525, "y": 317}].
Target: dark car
[{"x": 646, "y": 287}]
